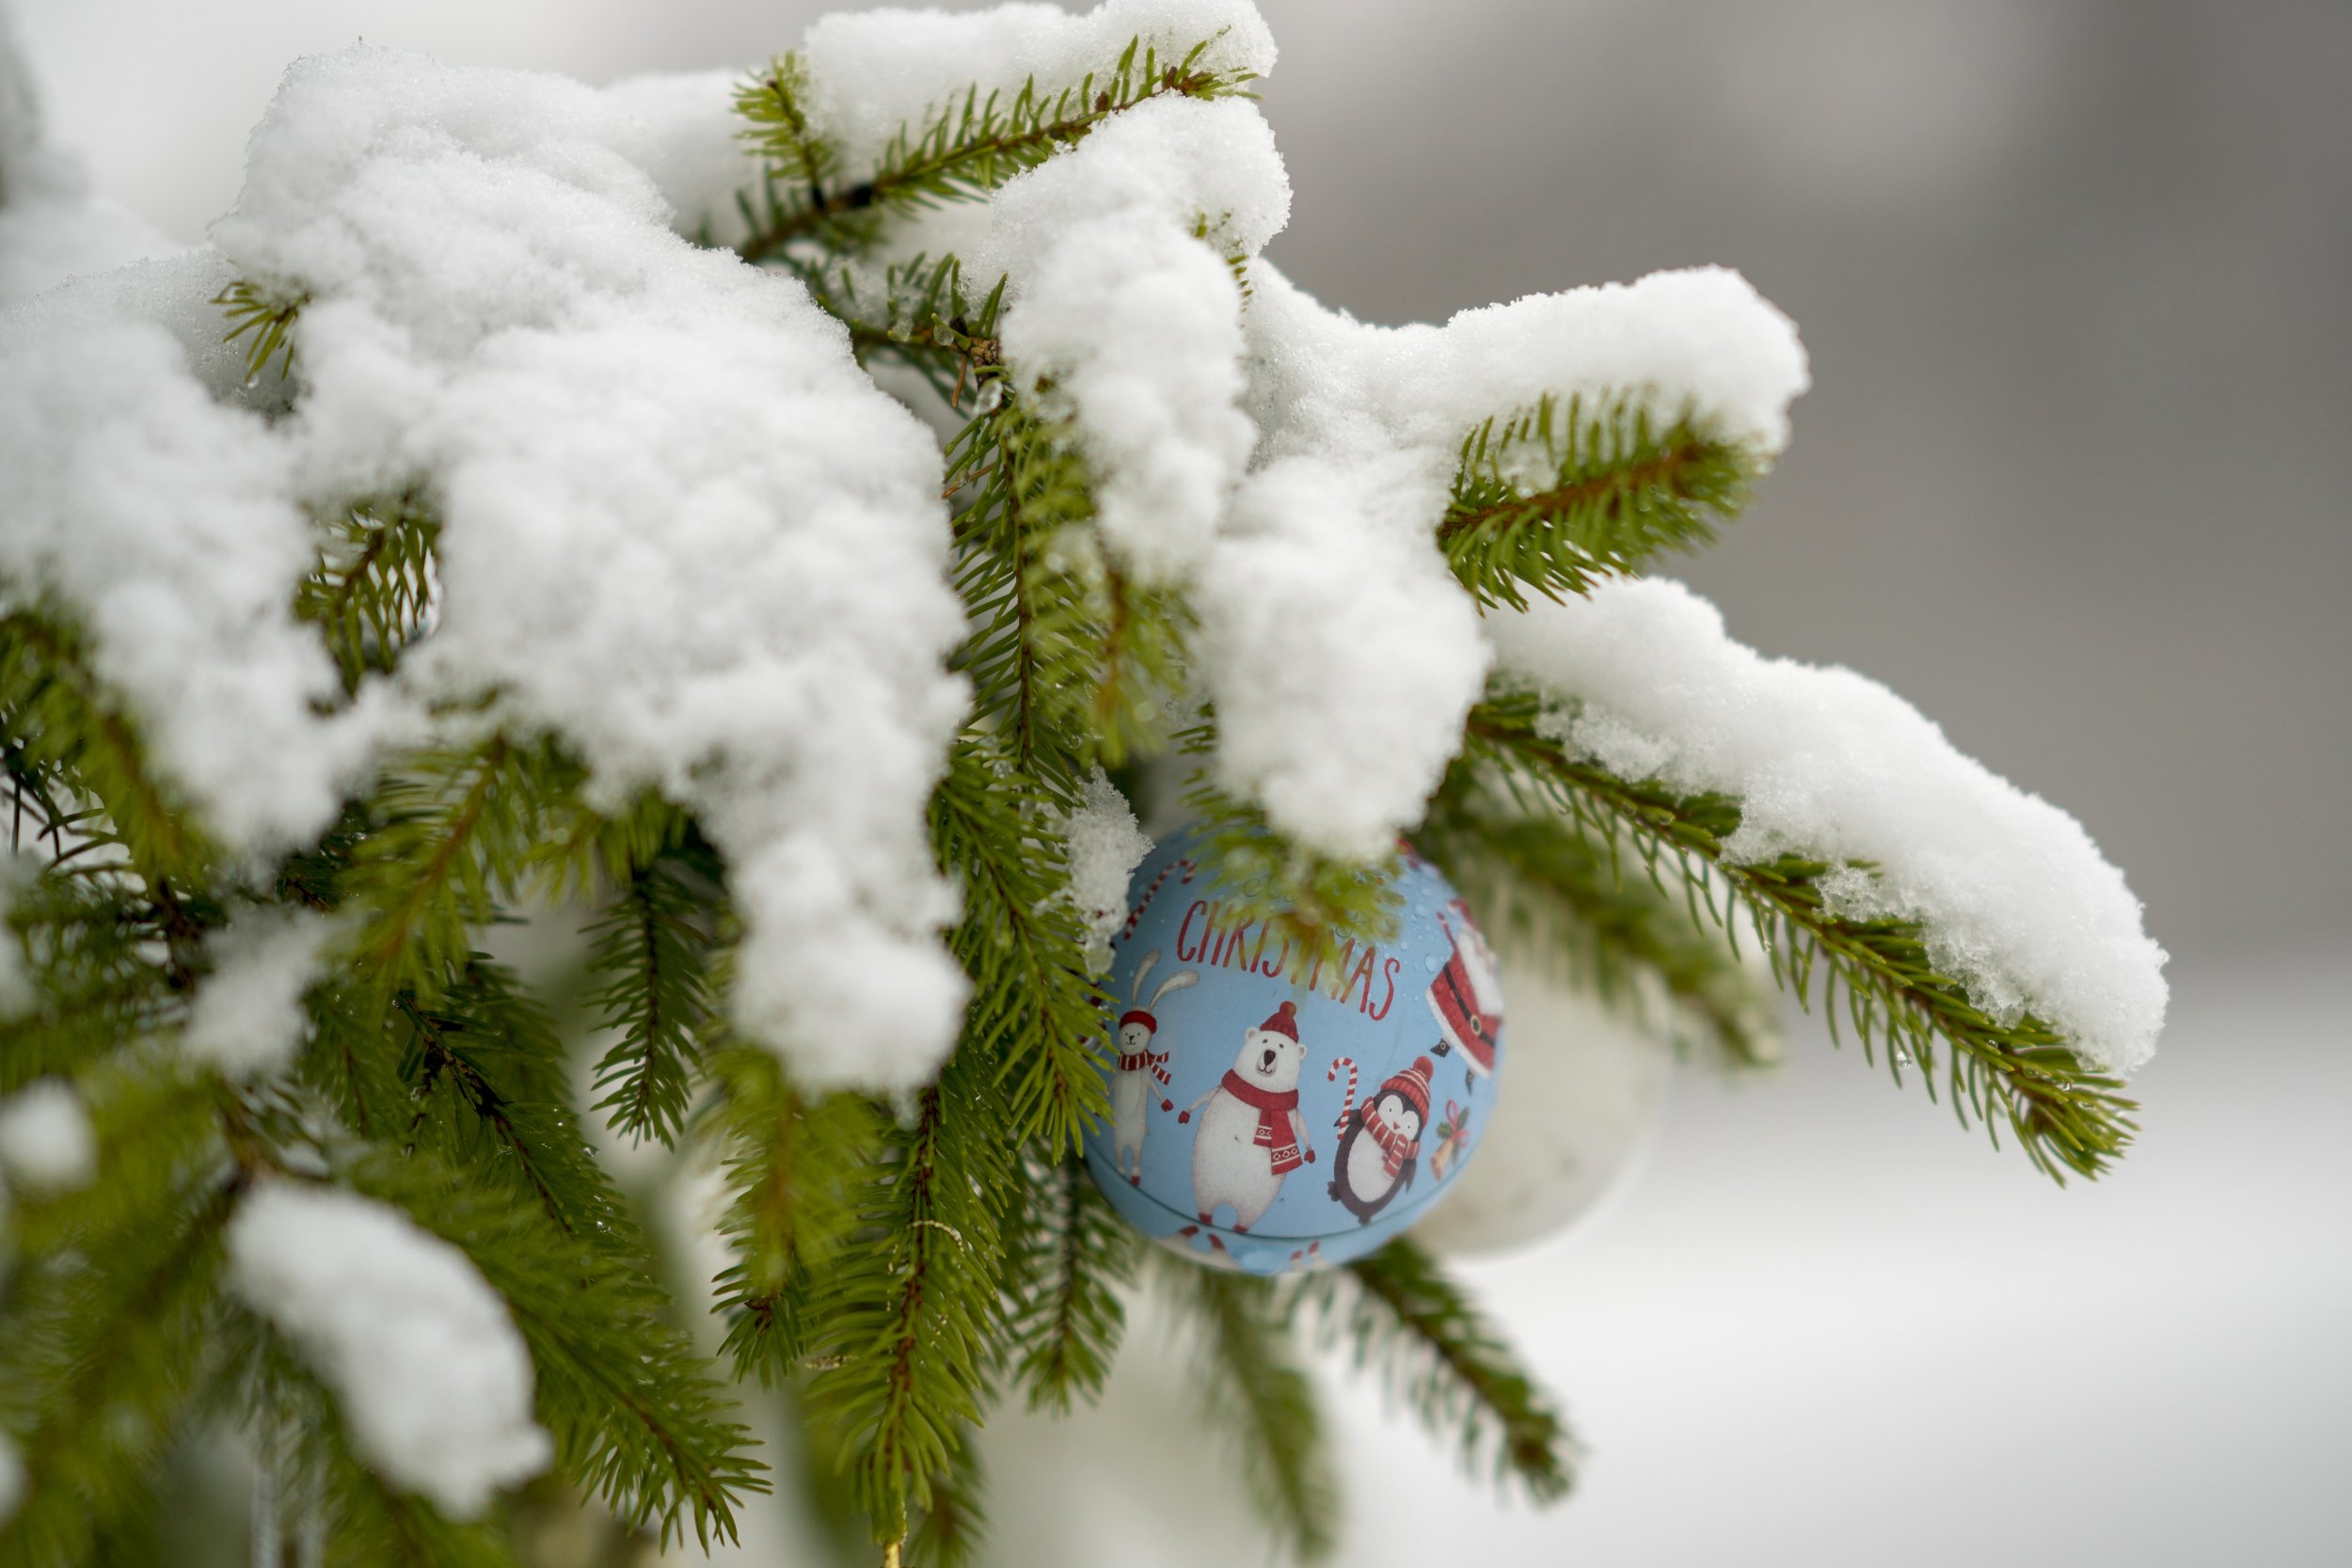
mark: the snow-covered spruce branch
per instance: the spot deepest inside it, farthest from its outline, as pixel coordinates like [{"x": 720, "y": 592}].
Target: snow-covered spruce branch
[
  {"x": 604, "y": 577},
  {"x": 1430, "y": 1346},
  {"x": 958, "y": 152},
  {"x": 652, "y": 1434},
  {"x": 2066, "y": 1114},
  {"x": 1546, "y": 884}
]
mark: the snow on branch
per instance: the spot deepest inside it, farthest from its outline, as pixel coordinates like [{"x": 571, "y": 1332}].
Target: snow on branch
[
  {"x": 425, "y": 1365},
  {"x": 2017, "y": 903},
  {"x": 679, "y": 528}
]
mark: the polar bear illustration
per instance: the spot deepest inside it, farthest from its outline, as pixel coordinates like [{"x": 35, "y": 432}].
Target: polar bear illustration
[{"x": 1252, "y": 1134}]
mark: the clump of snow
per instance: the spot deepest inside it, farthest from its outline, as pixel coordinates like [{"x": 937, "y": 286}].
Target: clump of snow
[
  {"x": 247, "y": 1020},
  {"x": 46, "y": 1144},
  {"x": 166, "y": 521},
  {"x": 1341, "y": 653},
  {"x": 1105, "y": 847},
  {"x": 871, "y": 71},
  {"x": 680, "y": 528},
  {"x": 1133, "y": 321},
  {"x": 52, "y": 225},
  {"x": 682, "y": 130},
  {"x": 2017, "y": 902},
  {"x": 425, "y": 1365}
]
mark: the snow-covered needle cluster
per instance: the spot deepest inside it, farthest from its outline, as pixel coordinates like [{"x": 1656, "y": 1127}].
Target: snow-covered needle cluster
[{"x": 788, "y": 523}]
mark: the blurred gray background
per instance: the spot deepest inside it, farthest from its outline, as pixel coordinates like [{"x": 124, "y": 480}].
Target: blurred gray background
[{"x": 2072, "y": 274}]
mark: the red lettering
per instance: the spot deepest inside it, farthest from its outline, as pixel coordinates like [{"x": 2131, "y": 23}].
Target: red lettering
[
  {"x": 1198, "y": 905},
  {"x": 1280, "y": 958},
  {"x": 1388, "y": 975},
  {"x": 1361, "y": 977}
]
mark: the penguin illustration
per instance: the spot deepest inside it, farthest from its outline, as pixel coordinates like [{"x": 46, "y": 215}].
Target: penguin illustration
[{"x": 1380, "y": 1140}]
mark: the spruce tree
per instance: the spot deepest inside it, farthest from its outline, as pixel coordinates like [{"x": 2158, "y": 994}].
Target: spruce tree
[{"x": 511, "y": 521}]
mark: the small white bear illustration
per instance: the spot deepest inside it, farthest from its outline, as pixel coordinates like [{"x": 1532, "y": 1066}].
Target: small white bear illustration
[
  {"x": 1252, "y": 1137},
  {"x": 1131, "y": 1089}
]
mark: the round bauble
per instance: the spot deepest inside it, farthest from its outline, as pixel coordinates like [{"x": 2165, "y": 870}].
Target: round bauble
[
  {"x": 1272, "y": 1111},
  {"x": 1588, "y": 1094}
]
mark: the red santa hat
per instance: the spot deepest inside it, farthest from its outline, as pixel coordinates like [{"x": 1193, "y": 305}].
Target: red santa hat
[
  {"x": 1138, "y": 1015},
  {"x": 1411, "y": 1085},
  {"x": 1284, "y": 1022}
]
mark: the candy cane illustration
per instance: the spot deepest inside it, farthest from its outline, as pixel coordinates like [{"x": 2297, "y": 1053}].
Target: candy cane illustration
[
  {"x": 1347, "y": 1100},
  {"x": 1136, "y": 913}
]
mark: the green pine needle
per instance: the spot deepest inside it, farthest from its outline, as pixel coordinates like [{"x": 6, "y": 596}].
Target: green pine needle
[
  {"x": 959, "y": 153},
  {"x": 1254, "y": 1391},
  {"x": 655, "y": 949},
  {"x": 269, "y": 317},
  {"x": 1033, "y": 1011},
  {"x": 1550, "y": 498},
  {"x": 904, "y": 1324},
  {"x": 76, "y": 740},
  {"x": 1076, "y": 1252},
  {"x": 372, "y": 591},
  {"x": 1430, "y": 1346}
]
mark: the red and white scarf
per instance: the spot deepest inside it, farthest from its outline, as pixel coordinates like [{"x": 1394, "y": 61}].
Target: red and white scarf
[
  {"x": 1396, "y": 1148},
  {"x": 1274, "y": 1119},
  {"x": 1155, "y": 1061}
]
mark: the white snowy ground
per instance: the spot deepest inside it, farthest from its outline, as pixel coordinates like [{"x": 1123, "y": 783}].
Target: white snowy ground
[{"x": 1822, "y": 1327}]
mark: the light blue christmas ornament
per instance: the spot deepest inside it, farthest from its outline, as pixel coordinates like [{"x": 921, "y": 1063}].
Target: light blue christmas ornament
[{"x": 1269, "y": 1114}]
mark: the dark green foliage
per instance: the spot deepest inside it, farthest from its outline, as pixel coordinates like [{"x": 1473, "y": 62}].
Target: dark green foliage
[
  {"x": 649, "y": 1432},
  {"x": 1072, "y": 663},
  {"x": 963, "y": 151},
  {"x": 1034, "y": 1014},
  {"x": 1555, "y": 497},
  {"x": 902, "y": 1326},
  {"x": 373, "y": 586},
  {"x": 1548, "y": 884},
  {"x": 486, "y": 1080},
  {"x": 68, "y": 739},
  {"x": 655, "y": 949},
  {"x": 451, "y": 834},
  {"x": 89, "y": 945},
  {"x": 950, "y": 1531},
  {"x": 798, "y": 1168},
  {"x": 1431, "y": 1348},
  {"x": 102, "y": 1326},
  {"x": 2068, "y": 1117},
  {"x": 1075, "y": 1254},
  {"x": 1254, "y": 1392}
]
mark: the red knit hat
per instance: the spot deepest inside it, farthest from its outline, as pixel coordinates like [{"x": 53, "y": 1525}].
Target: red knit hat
[
  {"x": 1284, "y": 1022},
  {"x": 1140, "y": 1016},
  {"x": 1412, "y": 1084}
]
